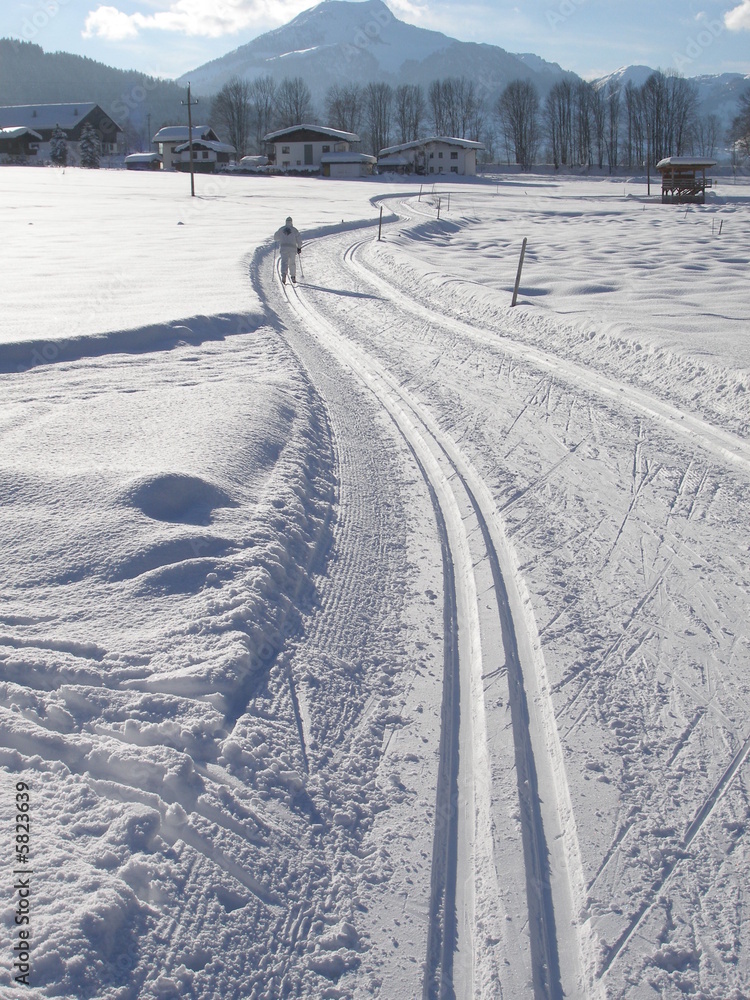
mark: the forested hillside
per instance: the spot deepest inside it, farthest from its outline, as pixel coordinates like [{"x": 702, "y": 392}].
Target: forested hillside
[{"x": 137, "y": 102}]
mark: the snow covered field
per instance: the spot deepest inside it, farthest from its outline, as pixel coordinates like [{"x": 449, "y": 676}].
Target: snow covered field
[{"x": 371, "y": 637}]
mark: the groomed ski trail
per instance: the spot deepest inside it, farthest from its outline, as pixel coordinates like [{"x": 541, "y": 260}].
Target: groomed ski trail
[{"x": 514, "y": 895}]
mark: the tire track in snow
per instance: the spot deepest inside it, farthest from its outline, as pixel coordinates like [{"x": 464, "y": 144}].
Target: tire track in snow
[{"x": 451, "y": 483}]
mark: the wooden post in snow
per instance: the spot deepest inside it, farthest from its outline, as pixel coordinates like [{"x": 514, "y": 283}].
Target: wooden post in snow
[
  {"x": 420, "y": 192},
  {"x": 518, "y": 273},
  {"x": 380, "y": 224},
  {"x": 438, "y": 206}
]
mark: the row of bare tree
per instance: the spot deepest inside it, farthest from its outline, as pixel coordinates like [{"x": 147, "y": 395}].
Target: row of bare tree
[
  {"x": 581, "y": 124},
  {"x": 577, "y": 124},
  {"x": 244, "y": 111}
]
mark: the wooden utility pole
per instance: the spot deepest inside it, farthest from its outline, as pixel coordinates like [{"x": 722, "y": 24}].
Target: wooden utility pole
[{"x": 190, "y": 104}]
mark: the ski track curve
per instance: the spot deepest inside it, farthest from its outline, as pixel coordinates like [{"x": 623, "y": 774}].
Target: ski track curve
[{"x": 479, "y": 561}]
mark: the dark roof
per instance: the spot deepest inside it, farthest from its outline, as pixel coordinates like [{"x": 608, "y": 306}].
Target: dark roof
[
  {"x": 311, "y": 132},
  {"x": 46, "y": 117}
]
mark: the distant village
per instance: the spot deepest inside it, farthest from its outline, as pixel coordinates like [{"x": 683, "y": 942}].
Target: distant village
[
  {"x": 85, "y": 135},
  {"x": 443, "y": 130}
]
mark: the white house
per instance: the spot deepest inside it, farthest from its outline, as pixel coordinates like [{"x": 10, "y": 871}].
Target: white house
[
  {"x": 167, "y": 140},
  {"x": 438, "y": 154},
  {"x": 302, "y": 147},
  {"x": 207, "y": 154}
]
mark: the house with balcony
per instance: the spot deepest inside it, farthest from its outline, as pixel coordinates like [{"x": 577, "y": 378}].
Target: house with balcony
[
  {"x": 301, "y": 148},
  {"x": 44, "y": 119},
  {"x": 173, "y": 140},
  {"x": 438, "y": 154}
]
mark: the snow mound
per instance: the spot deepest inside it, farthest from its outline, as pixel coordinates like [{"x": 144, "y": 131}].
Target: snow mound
[{"x": 178, "y": 497}]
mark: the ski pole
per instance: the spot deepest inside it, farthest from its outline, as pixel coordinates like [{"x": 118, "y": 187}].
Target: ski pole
[{"x": 301, "y": 268}]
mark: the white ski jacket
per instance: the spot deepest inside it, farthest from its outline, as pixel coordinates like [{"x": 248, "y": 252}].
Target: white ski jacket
[{"x": 288, "y": 237}]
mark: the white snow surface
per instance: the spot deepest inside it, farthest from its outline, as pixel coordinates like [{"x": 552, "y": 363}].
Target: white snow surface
[{"x": 371, "y": 637}]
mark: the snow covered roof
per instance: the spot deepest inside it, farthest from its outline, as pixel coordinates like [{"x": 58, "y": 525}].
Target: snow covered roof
[
  {"x": 348, "y": 157},
  {"x": 323, "y": 130},
  {"x": 15, "y": 132},
  {"x": 143, "y": 158},
  {"x": 179, "y": 133},
  {"x": 45, "y": 116},
  {"x": 217, "y": 147},
  {"x": 684, "y": 161},
  {"x": 448, "y": 140}
]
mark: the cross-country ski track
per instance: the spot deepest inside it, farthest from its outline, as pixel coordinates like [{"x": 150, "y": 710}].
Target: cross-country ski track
[
  {"x": 479, "y": 874},
  {"x": 366, "y": 636}
]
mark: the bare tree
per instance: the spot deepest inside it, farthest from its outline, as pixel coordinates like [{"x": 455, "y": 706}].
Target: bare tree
[
  {"x": 231, "y": 112},
  {"x": 598, "y": 109},
  {"x": 438, "y": 97},
  {"x": 344, "y": 104},
  {"x": 518, "y": 112},
  {"x": 410, "y": 111},
  {"x": 456, "y": 108},
  {"x": 635, "y": 132},
  {"x": 613, "y": 100},
  {"x": 378, "y": 114},
  {"x": 706, "y": 135},
  {"x": 558, "y": 120},
  {"x": 668, "y": 110},
  {"x": 739, "y": 132},
  {"x": 582, "y": 130},
  {"x": 293, "y": 102},
  {"x": 262, "y": 108}
]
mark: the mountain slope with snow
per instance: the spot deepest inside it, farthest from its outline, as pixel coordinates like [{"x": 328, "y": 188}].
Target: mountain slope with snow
[{"x": 343, "y": 41}]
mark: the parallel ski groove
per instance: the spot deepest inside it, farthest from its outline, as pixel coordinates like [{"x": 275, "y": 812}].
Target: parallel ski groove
[{"x": 547, "y": 983}]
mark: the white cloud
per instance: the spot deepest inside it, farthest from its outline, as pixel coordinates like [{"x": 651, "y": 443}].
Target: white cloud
[
  {"x": 206, "y": 18},
  {"x": 110, "y": 23},
  {"x": 738, "y": 19},
  {"x": 412, "y": 11}
]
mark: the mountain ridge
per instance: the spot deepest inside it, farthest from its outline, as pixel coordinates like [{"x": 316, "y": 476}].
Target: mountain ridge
[{"x": 326, "y": 42}]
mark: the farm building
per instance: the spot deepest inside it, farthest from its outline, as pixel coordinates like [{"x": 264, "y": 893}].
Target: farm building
[
  {"x": 302, "y": 147},
  {"x": 438, "y": 154},
  {"x": 143, "y": 161},
  {"x": 43, "y": 119},
  {"x": 349, "y": 164},
  {"x": 18, "y": 143},
  {"x": 683, "y": 179}
]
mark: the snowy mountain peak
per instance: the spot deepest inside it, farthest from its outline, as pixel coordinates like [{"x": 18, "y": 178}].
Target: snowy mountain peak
[{"x": 344, "y": 41}]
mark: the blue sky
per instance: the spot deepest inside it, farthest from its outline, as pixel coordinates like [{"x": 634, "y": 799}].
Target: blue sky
[{"x": 591, "y": 37}]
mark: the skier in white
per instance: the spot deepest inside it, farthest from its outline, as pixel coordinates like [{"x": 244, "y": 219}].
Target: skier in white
[{"x": 290, "y": 244}]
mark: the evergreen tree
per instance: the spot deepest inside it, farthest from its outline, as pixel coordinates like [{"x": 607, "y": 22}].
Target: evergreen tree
[
  {"x": 59, "y": 147},
  {"x": 90, "y": 147}
]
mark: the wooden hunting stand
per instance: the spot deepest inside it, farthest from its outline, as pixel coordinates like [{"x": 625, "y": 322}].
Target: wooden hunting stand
[{"x": 683, "y": 179}]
